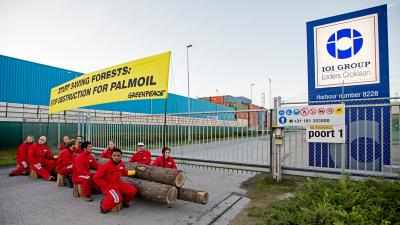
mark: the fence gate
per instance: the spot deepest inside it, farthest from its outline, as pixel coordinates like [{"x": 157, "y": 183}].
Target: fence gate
[{"x": 237, "y": 140}]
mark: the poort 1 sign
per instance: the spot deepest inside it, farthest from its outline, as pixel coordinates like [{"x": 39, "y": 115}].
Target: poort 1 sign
[{"x": 326, "y": 134}]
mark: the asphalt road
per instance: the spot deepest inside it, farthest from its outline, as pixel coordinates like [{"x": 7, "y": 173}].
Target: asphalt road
[{"x": 40, "y": 202}]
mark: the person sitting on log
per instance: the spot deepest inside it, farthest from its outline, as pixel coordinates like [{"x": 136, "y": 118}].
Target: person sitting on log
[
  {"x": 142, "y": 156},
  {"x": 108, "y": 152},
  {"x": 79, "y": 150},
  {"x": 22, "y": 157},
  {"x": 64, "y": 144},
  {"x": 41, "y": 160},
  {"x": 81, "y": 171},
  {"x": 65, "y": 161},
  {"x": 165, "y": 160},
  {"x": 108, "y": 178}
]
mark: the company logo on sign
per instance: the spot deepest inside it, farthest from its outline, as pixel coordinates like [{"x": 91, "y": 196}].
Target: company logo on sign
[
  {"x": 346, "y": 54},
  {"x": 350, "y": 37}
]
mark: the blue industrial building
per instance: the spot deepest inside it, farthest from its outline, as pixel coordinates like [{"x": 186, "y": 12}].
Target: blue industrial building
[{"x": 27, "y": 82}]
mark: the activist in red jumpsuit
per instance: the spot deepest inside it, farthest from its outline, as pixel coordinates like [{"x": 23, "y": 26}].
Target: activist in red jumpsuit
[
  {"x": 108, "y": 177},
  {"x": 108, "y": 152},
  {"x": 81, "y": 171},
  {"x": 42, "y": 160},
  {"x": 165, "y": 161},
  {"x": 64, "y": 144},
  {"x": 64, "y": 164},
  {"x": 79, "y": 150},
  {"x": 142, "y": 156},
  {"x": 22, "y": 158}
]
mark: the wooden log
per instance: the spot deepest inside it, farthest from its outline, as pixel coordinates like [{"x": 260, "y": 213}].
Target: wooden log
[
  {"x": 117, "y": 207},
  {"x": 77, "y": 191},
  {"x": 60, "y": 180},
  {"x": 191, "y": 195},
  {"x": 33, "y": 175},
  {"x": 154, "y": 191},
  {"x": 158, "y": 174}
]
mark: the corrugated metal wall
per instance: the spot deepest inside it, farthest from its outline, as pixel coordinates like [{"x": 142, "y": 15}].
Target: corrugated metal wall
[{"x": 30, "y": 83}]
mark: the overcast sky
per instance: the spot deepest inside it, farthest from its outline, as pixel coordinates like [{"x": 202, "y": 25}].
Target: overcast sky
[{"x": 235, "y": 43}]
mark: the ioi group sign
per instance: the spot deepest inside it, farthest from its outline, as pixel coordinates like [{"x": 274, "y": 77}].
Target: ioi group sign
[
  {"x": 348, "y": 52},
  {"x": 348, "y": 59}
]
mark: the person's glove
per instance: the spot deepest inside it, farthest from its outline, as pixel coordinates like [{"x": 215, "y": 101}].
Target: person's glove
[
  {"x": 24, "y": 164},
  {"x": 131, "y": 172},
  {"x": 69, "y": 166},
  {"x": 38, "y": 166}
]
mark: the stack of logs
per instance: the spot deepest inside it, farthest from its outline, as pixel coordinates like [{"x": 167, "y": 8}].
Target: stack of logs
[{"x": 161, "y": 184}]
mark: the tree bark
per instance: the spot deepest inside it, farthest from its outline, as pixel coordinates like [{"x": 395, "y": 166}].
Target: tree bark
[
  {"x": 154, "y": 191},
  {"x": 191, "y": 195},
  {"x": 158, "y": 174}
]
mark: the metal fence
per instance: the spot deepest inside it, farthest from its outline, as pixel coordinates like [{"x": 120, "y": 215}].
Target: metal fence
[
  {"x": 231, "y": 139},
  {"x": 371, "y": 148},
  {"x": 213, "y": 139}
]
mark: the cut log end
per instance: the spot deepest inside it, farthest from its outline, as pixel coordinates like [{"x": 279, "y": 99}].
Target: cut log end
[
  {"x": 172, "y": 194},
  {"x": 204, "y": 197},
  {"x": 180, "y": 179},
  {"x": 192, "y": 195}
]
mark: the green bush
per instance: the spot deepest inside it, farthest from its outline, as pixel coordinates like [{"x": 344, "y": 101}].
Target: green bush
[{"x": 372, "y": 201}]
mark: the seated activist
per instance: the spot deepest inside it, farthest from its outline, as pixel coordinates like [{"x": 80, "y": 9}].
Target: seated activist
[
  {"x": 41, "y": 160},
  {"x": 81, "y": 171},
  {"x": 65, "y": 160},
  {"x": 22, "y": 157},
  {"x": 165, "y": 161},
  {"x": 79, "y": 150},
  {"x": 108, "y": 178},
  {"x": 64, "y": 144},
  {"x": 108, "y": 152},
  {"x": 141, "y": 156}
]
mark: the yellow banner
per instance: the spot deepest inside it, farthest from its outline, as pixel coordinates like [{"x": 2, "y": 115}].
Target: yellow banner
[{"x": 145, "y": 78}]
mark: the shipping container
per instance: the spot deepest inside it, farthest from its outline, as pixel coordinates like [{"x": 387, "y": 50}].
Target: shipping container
[
  {"x": 217, "y": 100},
  {"x": 244, "y": 100},
  {"x": 238, "y": 106},
  {"x": 230, "y": 98},
  {"x": 205, "y": 99}
]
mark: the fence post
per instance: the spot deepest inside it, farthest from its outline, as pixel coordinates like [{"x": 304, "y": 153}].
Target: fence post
[{"x": 273, "y": 148}]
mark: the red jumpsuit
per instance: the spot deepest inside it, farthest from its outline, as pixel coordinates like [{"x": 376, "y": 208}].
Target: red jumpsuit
[
  {"x": 108, "y": 177},
  {"x": 41, "y": 160},
  {"x": 166, "y": 163},
  {"x": 81, "y": 172},
  {"x": 64, "y": 162},
  {"x": 62, "y": 147},
  {"x": 142, "y": 157},
  {"x": 22, "y": 159},
  {"x": 78, "y": 151},
  {"x": 107, "y": 153}
]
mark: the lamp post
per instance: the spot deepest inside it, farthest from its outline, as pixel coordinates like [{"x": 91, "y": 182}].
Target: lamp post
[{"x": 188, "y": 87}]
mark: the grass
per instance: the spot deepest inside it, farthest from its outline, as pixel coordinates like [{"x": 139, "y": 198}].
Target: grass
[
  {"x": 265, "y": 184},
  {"x": 7, "y": 157},
  {"x": 322, "y": 201}
]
